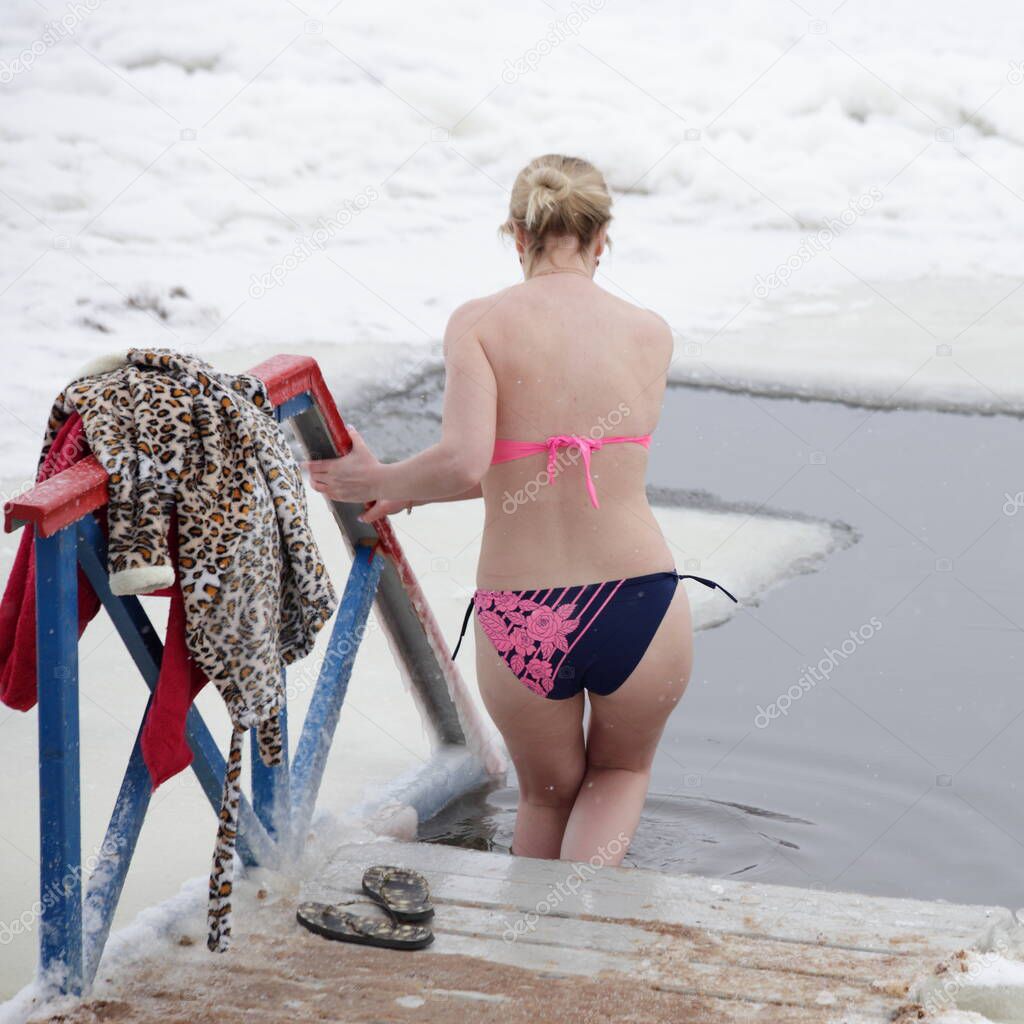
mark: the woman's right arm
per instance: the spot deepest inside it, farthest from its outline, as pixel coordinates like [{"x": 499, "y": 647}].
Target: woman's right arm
[
  {"x": 476, "y": 491},
  {"x": 380, "y": 509}
]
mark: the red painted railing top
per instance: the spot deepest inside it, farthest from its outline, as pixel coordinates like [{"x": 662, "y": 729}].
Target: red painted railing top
[{"x": 66, "y": 497}]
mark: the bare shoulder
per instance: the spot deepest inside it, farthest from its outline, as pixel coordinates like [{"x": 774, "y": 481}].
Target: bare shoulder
[
  {"x": 474, "y": 317},
  {"x": 651, "y": 328},
  {"x": 656, "y": 326},
  {"x": 654, "y": 321}
]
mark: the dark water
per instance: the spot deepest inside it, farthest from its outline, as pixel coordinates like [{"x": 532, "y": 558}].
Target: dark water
[{"x": 900, "y": 773}]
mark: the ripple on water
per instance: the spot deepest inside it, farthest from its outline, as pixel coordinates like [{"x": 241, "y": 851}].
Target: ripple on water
[{"x": 678, "y": 833}]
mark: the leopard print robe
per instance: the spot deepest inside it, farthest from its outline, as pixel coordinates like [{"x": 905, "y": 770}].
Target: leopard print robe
[{"x": 173, "y": 434}]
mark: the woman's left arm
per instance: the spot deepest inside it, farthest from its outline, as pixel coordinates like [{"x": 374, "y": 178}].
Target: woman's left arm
[{"x": 458, "y": 461}]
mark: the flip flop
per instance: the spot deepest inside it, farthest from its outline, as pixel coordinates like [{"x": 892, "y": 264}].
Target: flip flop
[
  {"x": 402, "y": 892},
  {"x": 332, "y": 922}
]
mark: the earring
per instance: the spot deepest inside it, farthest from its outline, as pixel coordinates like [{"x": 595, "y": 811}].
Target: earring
[{"x": 520, "y": 261}]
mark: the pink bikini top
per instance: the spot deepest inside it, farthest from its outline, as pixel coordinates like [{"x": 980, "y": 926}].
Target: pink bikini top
[{"x": 506, "y": 451}]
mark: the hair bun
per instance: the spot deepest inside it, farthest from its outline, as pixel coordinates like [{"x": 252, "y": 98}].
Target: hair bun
[
  {"x": 556, "y": 195},
  {"x": 551, "y": 179},
  {"x": 548, "y": 188}
]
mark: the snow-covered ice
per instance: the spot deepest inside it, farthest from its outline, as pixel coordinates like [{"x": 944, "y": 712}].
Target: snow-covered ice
[
  {"x": 226, "y": 178},
  {"x": 985, "y": 987}
]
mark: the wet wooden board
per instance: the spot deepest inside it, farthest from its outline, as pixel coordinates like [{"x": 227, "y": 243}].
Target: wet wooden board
[
  {"x": 625, "y": 946},
  {"x": 705, "y": 953},
  {"x": 831, "y": 956},
  {"x": 287, "y": 974},
  {"x": 848, "y": 920}
]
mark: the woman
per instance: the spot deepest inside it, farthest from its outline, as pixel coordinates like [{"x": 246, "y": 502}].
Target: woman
[{"x": 580, "y": 375}]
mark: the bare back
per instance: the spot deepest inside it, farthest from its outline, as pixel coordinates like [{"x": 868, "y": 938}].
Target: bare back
[{"x": 569, "y": 358}]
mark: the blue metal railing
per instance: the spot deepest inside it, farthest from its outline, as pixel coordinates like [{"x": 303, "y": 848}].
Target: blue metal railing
[
  {"x": 59, "y": 786},
  {"x": 283, "y": 798},
  {"x": 74, "y": 927}
]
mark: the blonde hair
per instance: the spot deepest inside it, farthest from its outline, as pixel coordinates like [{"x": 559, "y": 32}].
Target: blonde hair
[{"x": 556, "y": 196}]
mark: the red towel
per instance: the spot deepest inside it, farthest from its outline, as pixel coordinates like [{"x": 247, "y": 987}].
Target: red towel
[{"x": 164, "y": 748}]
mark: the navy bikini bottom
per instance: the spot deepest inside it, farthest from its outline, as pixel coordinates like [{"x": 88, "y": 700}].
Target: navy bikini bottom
[{"x": 563, "y": 640}]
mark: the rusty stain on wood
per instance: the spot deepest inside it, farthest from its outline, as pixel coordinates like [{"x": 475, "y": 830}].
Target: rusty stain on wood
[{"x": 626, "y": 945}]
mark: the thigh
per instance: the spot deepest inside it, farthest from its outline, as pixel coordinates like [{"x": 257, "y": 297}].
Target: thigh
[
  {"x": 625, "y": 725},
  {"x": 544, "y": 737}
]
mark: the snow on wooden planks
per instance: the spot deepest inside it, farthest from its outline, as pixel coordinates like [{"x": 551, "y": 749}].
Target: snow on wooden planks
[{"x": 836, "y": 956}]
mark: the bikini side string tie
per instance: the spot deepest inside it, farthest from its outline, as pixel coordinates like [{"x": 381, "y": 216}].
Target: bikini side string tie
[
  {"x": 465, "y": 623},
  {"x": 709, "y": 583}
]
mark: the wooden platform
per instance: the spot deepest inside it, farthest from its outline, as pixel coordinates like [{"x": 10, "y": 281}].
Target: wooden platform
[
  {"x": 751, "y": 949},
  {"x": 533, "y": 941}
]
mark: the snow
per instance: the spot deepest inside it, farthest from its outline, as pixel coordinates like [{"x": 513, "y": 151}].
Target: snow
[
  {"x": 987, "y": 987},
  {"x": 982, "y": 984},
  {"x": 159, "y": 167},
  {"x": 241, "y": 180}
]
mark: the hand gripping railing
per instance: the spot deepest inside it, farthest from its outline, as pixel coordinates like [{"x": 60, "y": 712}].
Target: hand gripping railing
[{"x": 273, "y": 825}]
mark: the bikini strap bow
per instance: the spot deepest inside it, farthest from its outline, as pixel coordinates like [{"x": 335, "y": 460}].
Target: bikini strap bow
[{"x": 586, "y": 445}]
